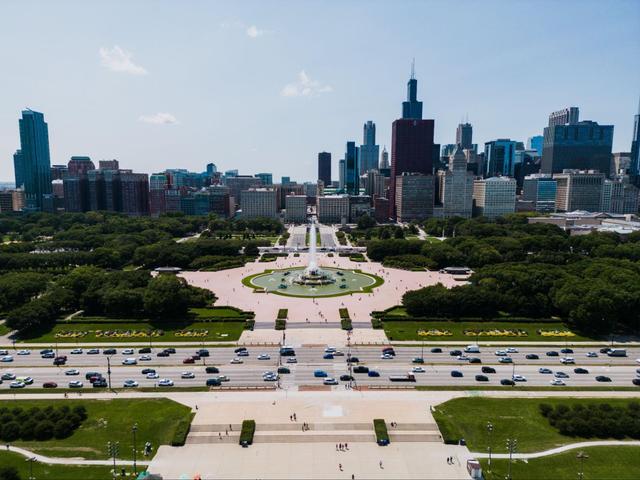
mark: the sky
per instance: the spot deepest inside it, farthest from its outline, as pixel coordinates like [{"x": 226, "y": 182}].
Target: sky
[{"x": 263, "y": 86}]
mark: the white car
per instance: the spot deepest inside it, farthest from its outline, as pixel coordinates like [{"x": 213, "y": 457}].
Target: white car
[
  {"x": 236, "y": 361},
  {"x": 501, "y": 353},
  {"x": 567, "y": 361},
  {"x": 24, "y": 352},
  {"x": 152, "y": 376},
  {"x": 519, "y": 378},
  {"x": 264, "y": 356},
  {"x": 330, "y": 350},
  {"x": 4, "y": 352},
  {"x": 145, "y": 358},
  {"x": 6, "y": 359},
  {"x": 75, "y": 384},
  {"x": 418, "y": 370},
  {"x": 17, "y": 385},
  {"x": 330, "y": 381},
  {"x": 187, "y": 375},
  {"x": 592, "y": 355},
  {"x": 73, "y": 371},
  {"x": 338, "y": 353},
  {"x": 127, "y": 351},
  {"x": 386, "y": 356},
  {"x": 464, "y": 358},
  {"x": 292, "y": 360},
  {"x": 512, "y": 350},
  {"x": 129, "y": 361},
  {"x": 223, "y": 378},
  {"x": 165, "y": 382},
  {"x": 557, "y": 381},
  {"x": 130, "y": 384},
  {"x": 76, "y": 351}
]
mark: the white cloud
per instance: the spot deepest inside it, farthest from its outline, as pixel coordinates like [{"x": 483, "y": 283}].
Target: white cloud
[
  {"x": 254, "y": 32},
  {"x": 304, "y": 86},
  {"x": 160, "y": 118},
  {"x": 118, "y": 60}
]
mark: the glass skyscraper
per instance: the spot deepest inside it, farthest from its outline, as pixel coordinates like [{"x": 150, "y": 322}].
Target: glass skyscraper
[
  {"x": 36, "y": 162},
  {"x": 634, "y": 168},
  {"x": 352, "y": 169},
  {"x": 369, "y": 151}
]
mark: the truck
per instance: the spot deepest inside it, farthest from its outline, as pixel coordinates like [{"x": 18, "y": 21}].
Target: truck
[
  {"x": 617, "y": 352},
  {"x": 409, "y": 377}
]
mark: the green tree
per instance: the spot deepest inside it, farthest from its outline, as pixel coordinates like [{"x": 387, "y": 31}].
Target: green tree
[{"x": 166, "y": 296}]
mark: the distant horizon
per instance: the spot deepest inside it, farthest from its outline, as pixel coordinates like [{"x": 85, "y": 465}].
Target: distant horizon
[{"x": 265, "y": 87}]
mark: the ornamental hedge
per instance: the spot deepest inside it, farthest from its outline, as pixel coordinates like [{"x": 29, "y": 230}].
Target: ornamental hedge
[{"x": 380, "y": 427}]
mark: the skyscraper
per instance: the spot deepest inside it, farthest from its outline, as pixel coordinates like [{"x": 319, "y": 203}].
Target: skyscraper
[
  {"x": 384, "y": 158},
  {"x": 634, "y": 168},
  {"x": 18, "y": 168},
  {"x": 369, "y": 151},
  {"x": 456, "y": 187},
  {"x": 341, "y": 174},
  {"x": 412, "y": 108},
  {"x": 351, "y": 169},
  {"x": 324, "y": 168},
  {"x": 36, "y": 163},
  {"x": 536, "y": 143},
  {"x": 464, "y": 136},
  {"x": 499, "y": 157}
]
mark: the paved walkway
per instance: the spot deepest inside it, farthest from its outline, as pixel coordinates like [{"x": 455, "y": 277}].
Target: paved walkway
[
  {"x": 73, "y": 461},
  {"x": 564, "y": 448}
]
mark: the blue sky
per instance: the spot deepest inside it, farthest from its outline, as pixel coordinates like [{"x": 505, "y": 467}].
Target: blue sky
[{"x": 265, "y": 85}]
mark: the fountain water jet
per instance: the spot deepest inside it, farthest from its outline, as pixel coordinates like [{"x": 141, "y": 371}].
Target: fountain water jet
[{"x": 312, "y": 275}]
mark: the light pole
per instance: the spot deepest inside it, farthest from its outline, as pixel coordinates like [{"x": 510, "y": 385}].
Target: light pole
[
  {"x": 512, "y": 444},
  {"x": 109, "y": 370},
  {"x": 582, "y": 457},
  {"x": 31, "y": 460},
  {"x": 489, "y": 431},
  {"x": 134, "y": 429},
  {"x": 113, "y": 449}
]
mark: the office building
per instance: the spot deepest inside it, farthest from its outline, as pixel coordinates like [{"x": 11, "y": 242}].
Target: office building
[
  {"x": 238, "y": 184},
  {"x": 579, "y": 190},
  {"x": 621, "y": 163},
  {"x": 341, "y": 174},
  {"x": 352, "y": 169},
  {"x": 295, "y": 209},
  {"x": 75, "y": 184},
  {"x": 109, "y": 164},
  {"x": 212, "y": 169},
  {"x": 333, "y": 209},
  {"x": 619, "y": 197},
  {"x": 455, "y": 187},
  {"x": 499, "y": 157},
  {"x": 285, "y": 180},
  {"x": 134, "y": 188},
  {"x": 369, "y": 151},
  {"x": 58, "y": 172},
  {"x": 381, "y": 209},
  {"x": 265, "y": 178},
  {"x": 540, "y": 189},
  {"x": 464, "y": 136},
  {"x": 158, "y": 185},
  {"x": 376, "y": 184},
  {"x": 412, "y": 108},
  {"x": 384, "y": 159},
  {"x": 576, "y": 145},
  {"x": 34, "y": 159},
  {"x": 324, "y": 168},
  {"x": 359, "y": 206},
  {"x": 536, "y": 143},
  {"x": 6, "y": 201},
  {"x": 18, "y": 168},
  {"x": 414, "y": 197},
  {"x": 527, "y": 162},
  {"x": 634, "y": 166},
  {"x": 259, "y": 202},
  {"x": 494, "y": 197}
]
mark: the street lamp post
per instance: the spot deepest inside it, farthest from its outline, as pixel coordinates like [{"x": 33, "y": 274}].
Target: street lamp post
[
  {"x": 489, "y": 431},
  {"x": 134, "y": 429},
  {"x": 582, "y": 457},
  {"x": 31, "y": 460},
  {"x": 512, "y": 444},
  {"x": 109, "y": 370},
  {"x": 113, "y": 449}
]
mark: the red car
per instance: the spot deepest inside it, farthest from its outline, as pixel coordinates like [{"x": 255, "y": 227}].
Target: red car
[
  {"x": 189, "y": 360},
  {"x": 49, "y": 385}
]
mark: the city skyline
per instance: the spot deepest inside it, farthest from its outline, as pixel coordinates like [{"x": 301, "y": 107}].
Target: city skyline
[{"x": 248, "y": 58}]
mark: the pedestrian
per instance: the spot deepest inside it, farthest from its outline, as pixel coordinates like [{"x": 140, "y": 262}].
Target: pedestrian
[
  {"x": 346, "y": 446},
  {"x": 381, "y": 464},
  {"x": 340, "y": 466},
  {"x": 353, "y": 476},
  {"x": 226, "y": 432},
  {"x": 230, "y": 427},
  {"x": 336, "y": 447},
  {"x": 196, "y": 407},
  {"x": 295, "y": 418},
  {"x": 220, "y": 435}
]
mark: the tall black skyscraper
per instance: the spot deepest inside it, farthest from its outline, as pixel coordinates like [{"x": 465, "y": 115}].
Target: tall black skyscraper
[
  {"x": 412, "y": 108},
  {"x": 634, "y": 168},
  {"x": 36, "y": 163},
  {"x": 369, "y": 151},
  {"x": 324, "y": 168},
  {"x": 464, "y": 136},
  {"x": 352, "y": 169}
]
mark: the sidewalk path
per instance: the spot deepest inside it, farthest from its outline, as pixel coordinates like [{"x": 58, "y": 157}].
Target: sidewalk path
[
  {"x": 72, "y": 460},
  {"x": 564, "y": 448}
]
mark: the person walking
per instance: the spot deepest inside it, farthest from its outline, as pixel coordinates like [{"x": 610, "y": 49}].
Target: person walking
[{"x": 381, "y": 464}]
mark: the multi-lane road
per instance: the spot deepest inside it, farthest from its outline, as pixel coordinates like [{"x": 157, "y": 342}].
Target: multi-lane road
[{"x": 438, "y": 367}]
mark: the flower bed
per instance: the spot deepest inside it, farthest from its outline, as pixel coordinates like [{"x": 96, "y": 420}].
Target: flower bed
[
  {"x": 497, "y": 333},
  {"x": 434, "y": 332},
  {"x": 555, "y": 333}
]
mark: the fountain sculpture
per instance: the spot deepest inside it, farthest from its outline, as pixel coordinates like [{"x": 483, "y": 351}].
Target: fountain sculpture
[{"x": 313, "y": 275}]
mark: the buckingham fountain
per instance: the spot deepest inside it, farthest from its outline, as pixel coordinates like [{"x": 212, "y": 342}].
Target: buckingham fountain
[{"x": 313, "y": 275}]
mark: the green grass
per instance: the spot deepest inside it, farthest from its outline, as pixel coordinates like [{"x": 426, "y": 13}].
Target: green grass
[
  {"x": 408, "y": 330},
  {"x": 44, "y": 471},
  {"x": 4, "y": 330},
  {"x": 111, "y": 420},
  {"x": 511, "y": 418},
  {"x": 604, "y": 463}
]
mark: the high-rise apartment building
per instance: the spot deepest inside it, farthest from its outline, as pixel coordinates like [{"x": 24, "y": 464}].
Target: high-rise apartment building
[
  {"x": 296, "y": 209},
  {"x": 455, "y": 187},
  {"x": 621, "y": 163},
  {"x": 579, "y": 190},
  {"x": 241, "y": 183},
  {"x": 75, "y": 184},
  {"x": 414, "y": 197},
  {"x": 494, "y": 197},
  {"x": 634, "y": 167},
  {"x": 259, "y": 202},
  {"x": 324, "y": 168},
  {"x": 500, "y": 157},
  {"x": 576, "y": 145},
  {"x": 18, "y": 168},
  {"x": 540, "y": 189},
  {"x": 34, "y": 159},
  {"x": 158, "y": 186},
  {"x": 369, "y": 151},
  {"x": 464, "y": 136},
  {"x": 352, "y": 169}
]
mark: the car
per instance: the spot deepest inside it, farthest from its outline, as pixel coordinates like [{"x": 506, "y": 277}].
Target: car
[
  {"x": 552, "y": 353},
  {"x": 389, "y": 350},
  {"x": 148, "y": 370},
  {"x": 419, "y": 360},
  {"x": 636, "y": 381},
  {"x": 165, "y": 382},
  {"x": 338, "y": 353},
  {"x": 75, "y": 384},
  {"x": 327, "y": 356},
  {"x": 580, "y": 370},
  {"x": 512, "y": 350},
  {"x": 144, "y": 358},
  {"x": 603, "y": 378},
  {"x": 49, "y": 385},
  {"x": 292, "y": 360},
  {"x": 436, "y": 350},
  {"x": 456, "y": 373},
  {"x": 130, "y": 384},
  {"x": 507, "y": 381},
  {"x": 189, "y": 360},
  {"x": 560, "y": 375},
  {"x": 329, "y": 349},
  {"x": 592, "y": 355},
  {"x": 287, "y": 351},
  {"x": 17, "y": 385},
  {"x": 46, "y": 350},
  {"x": 93, "y": 351},
  {"x": 127, "y": 351},
  {"x": 162, "y": 354},
  {"x": 203, "y": 352},
  {"x": 6, "y": 359},
  {"x": 488, "y": 370},
  {"x": 455, "y": 353},
  {"x": 283, "y": 370},
  {"x": 353, "y": 360},
  {"x": 418, "y": 370},
  {"x": 567, "y": 361},
  {"x": 270, "y": 378},
  {"x": 76, "y": 351},
  {"x": 373, "y": 373},
  {"x": 212, "y": 370},
  {"x": 25, "y": 380},
  {"x": 566, "y": 350},
  {"x": 346, "y": 378},
  {"x": 100, "y": 383},
  {"x": 557, "y": 381},
  {"x": 475, "y": 360},
  {"x": 152, "y": 376},
  {"x": 234, "y": 361},
  {"x": 48, "y": 355},
  {"x": 60, "y": 361},
  {"x": 319, "y": 373},
  {"x": 129, "y": 361},
  {"x": 243, "y": 353},
  {"x": 4, "y": 352},
  {"x": 519, "y": 378},
  {"x": 545, "y": 370},
  {"x": 240, "y": 349},
  {"x": 330, "y": 381},
  {"x": 24, "y": 352},
  {"x": 463, "y": 358},
  {"x": 505, "y": 360},
  {"x": 223, "y": 378},
  {"x": 386, "y": 356},
  {"x": 195, "y": 357},
  {"x": 605, "y": 350},
  {"x": 187, "y": 375},
  {"x": 170, "y": 350},
  {"x": 8, "y": 376},
  {"x": 532, "y": 356},
  {"x": 500, "y": 353},
  {"x": 109, "y": 351},
  {"x": 482, "y": 378},
  {"x": 213, "y": 382},
  {"x": 72, "y": 371},
  {"x": 361, "y": 369},
  {"x": 144, "y": 350},
  {"x": 88, "y": 375}
]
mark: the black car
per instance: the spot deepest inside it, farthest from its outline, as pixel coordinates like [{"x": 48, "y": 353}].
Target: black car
[
  {"x": 203, "y": 352},
  {"x": 283, "y": 370},
  {"x": 418, "y": 360},
  {"x": 506, "y": 381},
  {"x": 170, "y": 350},
  {"x": 636, "y": 381},
  {"x": 482, "y": 378},
  {"x": 532, "y": 356},
  {"x": 100, "y": 383},
  {"x": 361, "y": 369},
  {"x": 580, "y": 370},
  {"x": 389, "y": 351},
  {"x": 436, "y": 350},
  {"x": 109, "y": 351},
  {"x": 488, "y": 370},
  {"x": 48, "y": 355},
  {"x": 240, "y": 349},
  {"x": 602, "y": 378},
  {"x": 88, "y": 375},
  {"x": 566, "y": 350},
  {"x": 552, "y": 353},
  {"x": 162, "y": 354},
  {"x": 605, "y": 350},
  {"x": 145, "y": 350},
  {"x": 353, "y": 360},
  {"x": 212, "y": 370},
  {"x": 213, "y": 382},
  {"x": 148, "y": 370},
  {"x": 346, "y": 378},
  {"x": 475, "y": 360},
  {"x": 455, "y": 353},
  {"x": 46, "y": 350},
  {"x": 456, "y": 373},
  {"x": 60, "y": 361}
]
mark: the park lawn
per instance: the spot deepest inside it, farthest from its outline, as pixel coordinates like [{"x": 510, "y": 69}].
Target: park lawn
[
  {"x": 111, "y": 420},
  {"x": 408, "y": 330},
  {"x": 604, "y": 463},
  {"x": 45, "y": 471},
  {"x": 517, "y": 418},
  {"x": 4, "y": 330},
  {"x": 216, "y": 312}
]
